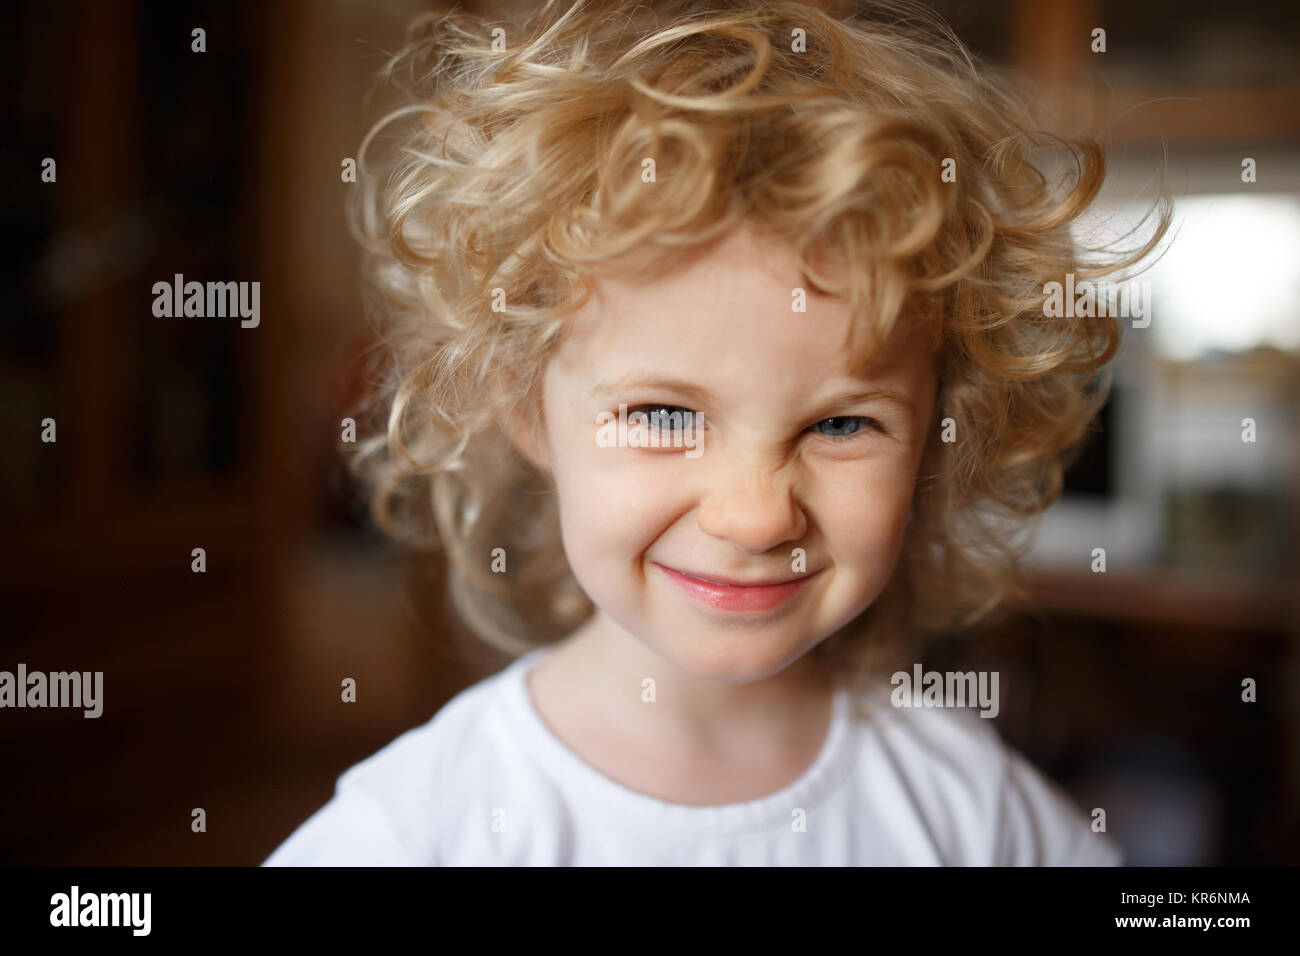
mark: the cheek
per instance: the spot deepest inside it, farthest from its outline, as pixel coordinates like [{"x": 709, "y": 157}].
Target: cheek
[
  {"x": 863, "y": 513},
  {"x": 613, "y": 503}
]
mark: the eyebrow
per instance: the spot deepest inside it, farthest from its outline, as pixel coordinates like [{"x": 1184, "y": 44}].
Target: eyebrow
[{"x": 649, "y": 381}]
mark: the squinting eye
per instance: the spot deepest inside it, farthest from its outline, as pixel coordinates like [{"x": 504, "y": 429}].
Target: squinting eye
[
  {"x": 848, "y": 426},
  {"x": 666, "y": 417}
]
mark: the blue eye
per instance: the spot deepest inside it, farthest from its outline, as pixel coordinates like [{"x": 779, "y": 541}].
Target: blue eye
[
  {"x": 848, "y": 426},
  {"x": 668, "y": 418},
  {"x": 671, "y": 418}
]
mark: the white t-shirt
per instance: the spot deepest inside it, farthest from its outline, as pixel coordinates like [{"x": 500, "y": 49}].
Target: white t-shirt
[{"x": 486, "y": 782}]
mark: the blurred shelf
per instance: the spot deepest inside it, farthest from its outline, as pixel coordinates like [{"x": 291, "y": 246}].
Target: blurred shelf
[
  {"x": 1168, "y": 596},
  {"x": 1238, "y": 115},
  {"x": 74, "y": 554}
]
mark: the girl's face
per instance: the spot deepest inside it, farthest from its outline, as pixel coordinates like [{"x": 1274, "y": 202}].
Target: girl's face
[{"x": 796, "y": 454}]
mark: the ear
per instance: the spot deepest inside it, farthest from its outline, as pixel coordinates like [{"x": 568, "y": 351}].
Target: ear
[
  {"x": 524, "y": 437},
  {"x": 525, "y": 433}
]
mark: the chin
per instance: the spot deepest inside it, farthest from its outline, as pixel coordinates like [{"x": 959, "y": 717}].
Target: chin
[{"x": 733, "y": 657}]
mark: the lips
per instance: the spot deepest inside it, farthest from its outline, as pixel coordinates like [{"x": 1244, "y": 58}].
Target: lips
[{"x": 727, "y": 594}]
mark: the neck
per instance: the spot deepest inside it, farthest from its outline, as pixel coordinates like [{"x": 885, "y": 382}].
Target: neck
[{"x": 608, "y": 666}]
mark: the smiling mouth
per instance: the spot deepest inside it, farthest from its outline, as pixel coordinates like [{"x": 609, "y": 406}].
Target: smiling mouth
[
  {"x": 732, "y": 582},
  {"x": 729, "y": 595}
]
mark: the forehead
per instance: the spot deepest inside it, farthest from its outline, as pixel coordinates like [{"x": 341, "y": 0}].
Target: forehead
[{"x": 727, "y": 314}]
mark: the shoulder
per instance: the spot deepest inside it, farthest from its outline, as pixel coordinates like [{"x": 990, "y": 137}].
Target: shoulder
[
  {"x": 975, "y": 799},
  {"x": 389, "y": 808}
]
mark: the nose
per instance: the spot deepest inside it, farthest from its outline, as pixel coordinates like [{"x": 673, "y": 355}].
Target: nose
[{"x": 753, "y": 507}]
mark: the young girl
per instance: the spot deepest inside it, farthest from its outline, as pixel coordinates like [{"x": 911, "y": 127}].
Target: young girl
[{"x": 753, "y": 296}]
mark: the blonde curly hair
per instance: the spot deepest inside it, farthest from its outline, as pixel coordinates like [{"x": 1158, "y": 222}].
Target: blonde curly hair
[{"x": 513, "y": 163}]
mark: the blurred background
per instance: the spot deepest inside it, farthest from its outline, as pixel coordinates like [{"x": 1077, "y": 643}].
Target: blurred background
[{"x": 222, "y": 688}]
